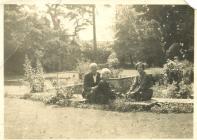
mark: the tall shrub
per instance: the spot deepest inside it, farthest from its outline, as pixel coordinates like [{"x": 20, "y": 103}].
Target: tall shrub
[
  {"x": 34, "y": 76},
  {"x": 28, "y": 69}
]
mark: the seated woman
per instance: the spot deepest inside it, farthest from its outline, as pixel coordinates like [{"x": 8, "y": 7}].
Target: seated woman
[
  {"x": 140, "y": 89},
  {"x": 102, "y": 93}
]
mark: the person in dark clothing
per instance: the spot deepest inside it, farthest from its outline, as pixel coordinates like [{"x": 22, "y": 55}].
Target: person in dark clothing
[
  {"x": 140, "y": 89},
  {"x": 102, "y": 94},
  {"x": 91, "y": 80}
]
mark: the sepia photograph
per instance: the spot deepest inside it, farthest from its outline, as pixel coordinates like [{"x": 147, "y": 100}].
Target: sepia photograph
[{"x": 98, "y": 71}]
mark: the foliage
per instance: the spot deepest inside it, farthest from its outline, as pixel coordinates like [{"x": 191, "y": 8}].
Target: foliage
[
  {"x": 41, "y": 35},
  {"x": 14, "y": 35},
  {"x": 173, "y": 107},
  {"x": 185, "y": 90},
  {"x": 28, "y": 69},
  {"x": 61, "y": 96},
  {"x": 100, "y": 55},
  {"x": 176, "y": 80},
  {"x": 174, "y": 90},
  {"x": 112, "y": 60},
  {"x": 173, "y": 21},
  {"x": 137, "y": 39},
  {"x": 38, "y": 80},
  {"x": 62, "y": 90},
  {"x": 57, "y": 100},
  {"x": 188, "y": 72},
  {"x": 173, "y": 71},
  {"x": 178, "y": 71},
  {"x": 35, "y": 76}
]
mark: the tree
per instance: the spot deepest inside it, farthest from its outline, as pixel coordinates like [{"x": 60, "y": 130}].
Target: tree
[
  {"x": 44, "y": 36},
  {"x": 14, "y": 34},
  {"x": 137, "y": 39},
  {"x": 176, "y": 23}
]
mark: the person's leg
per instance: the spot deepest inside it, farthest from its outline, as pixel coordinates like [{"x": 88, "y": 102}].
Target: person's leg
[
  {"x": 90, "y": 97},
  {"x": 84, "y": 95},
  {"x": 134, "y": 96},
  {"x": 147, "y": 94}
]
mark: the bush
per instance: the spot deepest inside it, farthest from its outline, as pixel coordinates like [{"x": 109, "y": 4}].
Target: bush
[
  {"x": 35, "y": 76},
  {"x": 173, "y": 71},
  {"x": 112, "y": 60},
  {"x": 174, "y": 90},
  {"x": 158, "y": 78},
  {"x": 185, "y": 90},
  {"x": 178, "y": 71},
  {"x": 177, "y": 79},
  {"x": 173, "y": 108},
  {"x": 59, "y": 99},
  {"x": 63, "y": 91},
  {"x": 98, "y": 56},
  {"x": 62, "y": 95},
  {"x": 159, "y": 91},
  {"x": 188, "y": 71}
]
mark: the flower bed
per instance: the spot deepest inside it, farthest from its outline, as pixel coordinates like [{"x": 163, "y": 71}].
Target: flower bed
[{"x": 156, "y": 105}]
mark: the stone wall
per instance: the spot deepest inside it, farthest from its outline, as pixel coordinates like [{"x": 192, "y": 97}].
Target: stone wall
[{"x": 119, "y": 84}]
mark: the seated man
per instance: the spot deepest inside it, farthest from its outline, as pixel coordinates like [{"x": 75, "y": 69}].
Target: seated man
[
  {"x": 140, "y": 89},
  {"x": 102, "y": 93},
  {"x": 91, "y": 80}
]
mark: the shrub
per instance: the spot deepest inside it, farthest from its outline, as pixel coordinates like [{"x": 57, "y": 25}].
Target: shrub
[
  {"x": 62, "y": 95},
  {"x": 28, "y": 69},
  {"x": 185, "y": 90},
  {"x": 173, "y": 108},
  {"x": 178, "y": 71},
  {"x": 99, "y": 55},
  {"x": 63, "y": 91},
  {"x": 59, "y": 99},
  {"x": 112, "y": 60},
  {"x": 172, "y": 90},
  {"x": 35, "y": 76},
  {"x": 188, "y": 71},
  {"x": 178, "y": 78},
  {"x": 173, "y": 71}
]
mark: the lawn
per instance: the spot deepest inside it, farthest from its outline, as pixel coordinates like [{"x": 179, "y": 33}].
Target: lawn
[
  {"x": 25, "y": 119},
  {"x": 74, "y": 74}
]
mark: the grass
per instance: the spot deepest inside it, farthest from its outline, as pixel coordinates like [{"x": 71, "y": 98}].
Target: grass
[
  {"x": 133, "y": 72},
  {"x": 26, "y": 119},
  {"x": 74, "y": 74}
]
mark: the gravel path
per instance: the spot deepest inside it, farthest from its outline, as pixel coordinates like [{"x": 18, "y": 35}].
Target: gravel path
[{"x": 28, "y": 119}]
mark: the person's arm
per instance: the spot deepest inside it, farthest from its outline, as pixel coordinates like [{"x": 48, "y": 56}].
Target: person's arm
[
  {"x": 134, "y": 84},
  {"x": 138, "y": 86},
  {"x": 86, "y": 83}
]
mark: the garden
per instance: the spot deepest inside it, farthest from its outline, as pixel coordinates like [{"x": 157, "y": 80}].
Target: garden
[
  {"x": 52, "y": 62},
  {"x": 48, "y": 49},
  {"x": 173, "y": 82}
]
